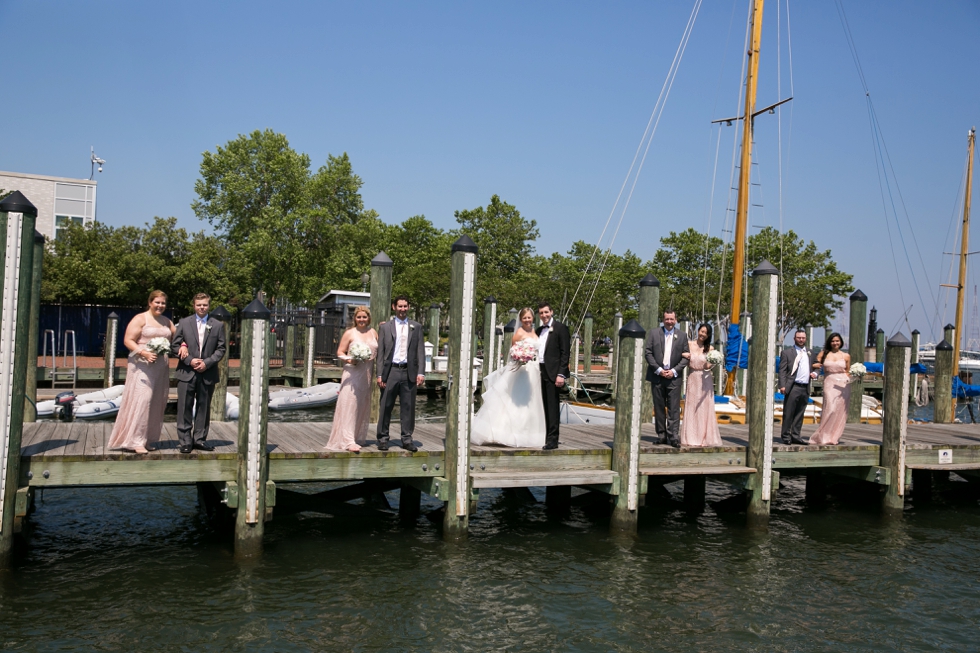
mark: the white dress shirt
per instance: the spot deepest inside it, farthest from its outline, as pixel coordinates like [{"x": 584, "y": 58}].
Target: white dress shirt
[
  {"x": 202, "y": 324},
  {"x": 801, "y": 368},
  {"x": 401, "y": 342},
  {"x": 669, "y": 337}
]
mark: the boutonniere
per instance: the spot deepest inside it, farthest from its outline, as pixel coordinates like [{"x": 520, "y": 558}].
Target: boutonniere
[
  {"x": 207, "y": 327},
  {"x": 412, "y": 327}
]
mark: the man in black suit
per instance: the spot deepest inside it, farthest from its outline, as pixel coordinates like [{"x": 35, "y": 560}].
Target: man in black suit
[
  {"x": 554, "y": 345},
  {"x": 795, "y": 374},
  {"x": 401, "y": 370},
  {"x": 199, "y": 343},
  {"x": 664, "y": 353}
]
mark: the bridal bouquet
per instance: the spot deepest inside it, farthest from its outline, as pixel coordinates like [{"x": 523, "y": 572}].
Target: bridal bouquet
[
  {"x": 524, "y": 352},
  {"x": 158, "y": 346},
  {"x": 857, "y": 370},
  {"x": 359, "y": 352},
  {"x": 714, "y": 357}
]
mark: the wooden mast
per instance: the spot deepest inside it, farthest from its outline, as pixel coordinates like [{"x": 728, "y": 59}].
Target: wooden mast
[
  {"x": 957, "y": 335},
  {"x": 744, "y": 172}
]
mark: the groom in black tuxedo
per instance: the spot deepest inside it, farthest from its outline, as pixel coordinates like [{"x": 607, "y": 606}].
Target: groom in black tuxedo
[
  {"x": 199, "y": 344},
  {"x": 554, "y": 344}
]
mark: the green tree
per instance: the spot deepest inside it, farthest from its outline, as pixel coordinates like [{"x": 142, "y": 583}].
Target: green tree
[{"x": 688, "y": 266}]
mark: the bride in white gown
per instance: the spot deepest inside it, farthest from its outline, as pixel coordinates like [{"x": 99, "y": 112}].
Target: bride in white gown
[{"x": 512, "y": 413}]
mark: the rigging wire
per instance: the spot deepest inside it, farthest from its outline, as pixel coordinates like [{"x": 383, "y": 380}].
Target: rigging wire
[
  {"x": 883, "y": 159},
  {"x": 647, "y": 137}
]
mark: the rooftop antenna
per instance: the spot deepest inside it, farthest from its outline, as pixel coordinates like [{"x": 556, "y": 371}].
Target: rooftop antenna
[{"x": 96, "y": 161}]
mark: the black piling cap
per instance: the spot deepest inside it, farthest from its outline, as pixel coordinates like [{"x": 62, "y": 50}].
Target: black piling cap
[
  {"x": 510, "y": 326},
  {"x": 649, "y": 280},
  {"x": 944, "y": 346},
  {"x": 915, "y": 332},
  {"x": 949, "y": 327},
  {"x": 499, "y": 331},
  {"x": 618, "y": 314},
  {"x": 632, "y": 329},
  {"x": 490, "y": 300},
  {"x": 434, "y": 306},
  {"x": 113, "y": 316},
  {"x": 17, "y": 203},
  {"x": 764, "y": 268},
  {"x": 588, "y": 315},
  {"x": 899, "y": 340},
  {"x": 880, "y": 331},
  {"x": 256, "y": 311},
  {"x": 858, "y": 296},
  {"x": 381, "y": 261},
  {"x": 221, "y": 313},
  {"x": 38, "y": 237},
  {"x": 465, "y": 244}
]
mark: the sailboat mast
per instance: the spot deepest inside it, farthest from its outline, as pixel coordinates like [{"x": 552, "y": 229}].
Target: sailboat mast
[
  {"x": 961, "y": 285},
  {"x": 745, "y": 169}
]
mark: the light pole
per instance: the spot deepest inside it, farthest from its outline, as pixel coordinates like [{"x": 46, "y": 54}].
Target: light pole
[
  {"x": 364, "y": 281},
  {"x": 95, "y": 161}
]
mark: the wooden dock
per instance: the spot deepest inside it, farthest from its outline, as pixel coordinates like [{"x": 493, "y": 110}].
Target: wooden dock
[{"x": 57, "y": 454}]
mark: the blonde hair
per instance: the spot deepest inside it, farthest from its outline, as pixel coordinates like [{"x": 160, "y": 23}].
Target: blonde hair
[
  {"x": 526, "y": 309},
  {"x": 154, "y": 295},
  {"x": 362, "y": 309}
]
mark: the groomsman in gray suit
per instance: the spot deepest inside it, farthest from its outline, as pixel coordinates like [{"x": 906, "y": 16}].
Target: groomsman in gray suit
[
  {"x": 401, "y": 370},
  {"x": 199, "y": 343},
  {"x": 795, "y": 374},
  {"x": 664, "y": 353}
]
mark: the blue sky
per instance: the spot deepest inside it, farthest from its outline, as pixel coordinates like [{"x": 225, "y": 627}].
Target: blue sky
[{"x": 441, "y": 105}]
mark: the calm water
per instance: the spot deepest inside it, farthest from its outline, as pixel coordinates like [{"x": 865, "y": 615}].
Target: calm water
[{"x": 141, "y": 569}]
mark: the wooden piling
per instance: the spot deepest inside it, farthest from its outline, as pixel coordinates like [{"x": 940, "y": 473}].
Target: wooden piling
[
  {"x": 684, "y": 326},
  {"x": 111, "y": 341},
  {"x": 409, "y": 504},
  {"x": 489, "y": 335},
  {"x": 617, "y": 325},
  {"x": 381, "y": 270},
  {"x": 17, "y": 220},
  {"x": 219, "y": 407},
  {"x": 626, "y": 432},
  {"x": 289, "y": 347},
  {"x": 759, "y": 401},
  {"x": 309, "y": 353},
  {"x": 694, "y": 493},
  {"x": 587, "y": 343},
  {"x": 855, "y": 347},
  {"x": 949, "y": 334},
  {"x": 880, "y": 346},
  {"x": 895, "y": 420},
  {"x": 30, "y": 387},
  {"x": 649, "y": 318},
  {"x": 253, "y": 469},
  {"x": 573, "y": 382},
  {"x": 460, "y": 400},
  {"x": 942, "y": 400},
  {"x": 434, "y": 310},
  {"x": 808, "y": 330}
]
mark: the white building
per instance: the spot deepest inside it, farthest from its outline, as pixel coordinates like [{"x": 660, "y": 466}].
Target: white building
[{"x": 59, "y": 200}]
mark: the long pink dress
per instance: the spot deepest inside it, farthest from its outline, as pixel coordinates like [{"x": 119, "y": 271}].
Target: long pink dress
[
  {"x": 699, "y": 428},
  {"x": 350, "y": 418},
  {"x": 144, "y": 398},
  {"x": 836, "y": 393}
]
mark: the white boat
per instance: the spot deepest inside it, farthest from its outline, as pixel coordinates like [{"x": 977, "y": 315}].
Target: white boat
[
  {"x": 732, "y": 412},
  {"x": 48, "y": 408},
  {"x": 231, "y": 406},
  {"x": 99, "y": 409},
  {"x": 312, "y": 397},
  {"x": 969, "y": 360}
]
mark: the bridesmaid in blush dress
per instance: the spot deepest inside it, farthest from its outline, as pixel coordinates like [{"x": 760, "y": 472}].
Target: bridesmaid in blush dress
[
  {"x": 140, "y": 418},
  {"x": 699, "y": 428},
  {"x": 836, "y": 390},
  {"x": 350, "y": 418}
]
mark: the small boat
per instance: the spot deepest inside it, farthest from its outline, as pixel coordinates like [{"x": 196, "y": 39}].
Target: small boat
[
  {"x": 48, "y": 408},
  {"x": 99, "y": 409},
  {"x": 312, "y": 397},
  {"x": 231, "y": 406}
]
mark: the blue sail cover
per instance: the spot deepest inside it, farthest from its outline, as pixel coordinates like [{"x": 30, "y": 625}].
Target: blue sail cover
[
  {"x": 963, "y": 390},
  {"x": 918, "y": 368},
  {"x": 874, "y": 368},
  {"x": 733, "y": 357}
]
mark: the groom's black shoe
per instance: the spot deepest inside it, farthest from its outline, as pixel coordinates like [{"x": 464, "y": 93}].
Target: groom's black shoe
[
  {"x": 383, "y": 444},
  {"x": 185, "y": 448},
  {"x": 203, "y": 446},
  {"x": 798, "y": 441},
  {"x": 548, "y": 446},
  {"x": 409, "y": 446}
]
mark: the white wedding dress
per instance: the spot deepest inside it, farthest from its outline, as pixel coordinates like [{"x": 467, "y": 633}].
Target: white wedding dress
[{"x": 512, "y": 413}]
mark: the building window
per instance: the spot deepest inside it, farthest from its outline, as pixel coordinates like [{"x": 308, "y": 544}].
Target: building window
[{"x": 61, "y": 223}]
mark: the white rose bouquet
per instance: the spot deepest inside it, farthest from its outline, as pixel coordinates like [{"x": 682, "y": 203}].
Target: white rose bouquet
[
  {"x": 159, "y": 346},
  {"x": 359, "y": 353},
  {"x": 857, "y": 370},
  {"x": 714, "y": 357}
]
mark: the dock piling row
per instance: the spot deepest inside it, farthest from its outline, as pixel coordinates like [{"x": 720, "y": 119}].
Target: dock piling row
[
  {"x": 626, "y": 433},
  {"x": 759, "y": 401},
  {"x": 898, "y": 357},
  {"x": 855, "y": 346},
  {"x": 30, "y": 391}
]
